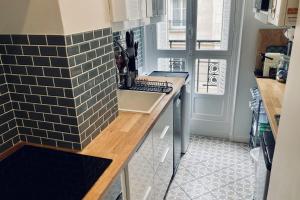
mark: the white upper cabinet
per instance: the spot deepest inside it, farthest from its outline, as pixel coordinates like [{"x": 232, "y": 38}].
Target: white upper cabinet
[
  {"x": 143, "y": 7},
  {"x": 132, "y": 10},
  {"x": 156, "y": 8},
  {"x": 149, "y": 8},
  {"x": 125, "y": 10},
  {"x": 161, "y": 7},
  {"x": 283, "y": 12}
]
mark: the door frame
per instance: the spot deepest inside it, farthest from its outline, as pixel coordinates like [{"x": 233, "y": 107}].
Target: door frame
[{"x": 190, "y": 54}]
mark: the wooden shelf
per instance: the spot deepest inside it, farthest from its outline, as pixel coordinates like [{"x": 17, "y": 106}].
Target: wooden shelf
[{"x": 272, "y": 93}]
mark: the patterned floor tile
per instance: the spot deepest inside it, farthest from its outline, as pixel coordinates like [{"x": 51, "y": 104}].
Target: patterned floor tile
[
  {"x": 214, "y": 169},
  {"x": 228, "y": 193},
  {"x": 183, "y": 176},
  {"x": 245, "y": 186},
  {"x": 198, "y": 169},
  {"x": 216, "y": 180},
  {"x": 208, "y": 196},
  {"x": 195, "y": 189},
  {"x": 218, "y": 163},
  {"x": 177, "y": 194},
  {"x": 174, "y": 184}
]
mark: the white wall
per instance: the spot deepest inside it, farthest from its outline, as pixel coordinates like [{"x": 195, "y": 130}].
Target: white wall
[
  {"x": 84, "y": 15},
  {"x": 285, "y": 176},
  {"x": 246, "y": 79},
  {"x": 30, "y": 17},
  {"x": 53, "y": 16}
]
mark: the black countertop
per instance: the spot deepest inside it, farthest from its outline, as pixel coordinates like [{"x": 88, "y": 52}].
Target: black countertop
[{"x": 39, "y": 173}]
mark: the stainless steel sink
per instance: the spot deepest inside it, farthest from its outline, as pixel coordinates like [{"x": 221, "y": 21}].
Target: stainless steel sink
[{"x": 138, "y": 101}]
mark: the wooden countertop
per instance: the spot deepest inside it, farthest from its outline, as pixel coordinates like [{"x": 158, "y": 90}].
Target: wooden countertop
[
  {"x": 120, "y": 139},
  {"x": 272, "y": 93}
]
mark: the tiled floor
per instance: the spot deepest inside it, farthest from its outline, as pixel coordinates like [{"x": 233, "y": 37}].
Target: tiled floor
[{"x": 214, "y": 169}]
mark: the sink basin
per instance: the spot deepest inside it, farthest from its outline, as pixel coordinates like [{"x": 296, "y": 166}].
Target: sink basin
[{"x": 138, "y": 101}]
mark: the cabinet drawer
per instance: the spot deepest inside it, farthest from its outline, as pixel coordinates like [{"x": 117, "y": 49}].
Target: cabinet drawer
[
  {"x": 163, "y": 135},
  {"x": 166, "y": 119},
  {"x": 161, "y": 145}
]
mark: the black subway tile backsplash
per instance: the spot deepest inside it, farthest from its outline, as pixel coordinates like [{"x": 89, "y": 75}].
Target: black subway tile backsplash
[
  {"x": 41, "y": 61},
  {"x": 45, "y": 81},
  {"x": 39, "y": 90},
  {"x": 33, "y": 98},
  {"x": 52, "y": 72},
  {"x": 88, "y": 36},
  {"x": 31, "y": 50},
  {"x": 49, "y": 100},
  {"x": 48, "y": 51},
  {"x": 62, "y": 51},
  {"x": 24, "y": 60},
  {"x": 56, "y": 40},
  {"x": 57, "y": 90},
  {"x": 59, "y": 62},
  {"x": 37, "y": 40},
  {"x": 14, "y": 49},
  {"x": 20, "y": 39},
  {"x": 5, "y": 39},
  {"x": 8, "y": 59},
  {"x": 77, "y": 38}
]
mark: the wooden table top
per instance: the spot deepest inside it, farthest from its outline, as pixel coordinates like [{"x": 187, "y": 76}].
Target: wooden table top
[{"x": 272, "y": 93}]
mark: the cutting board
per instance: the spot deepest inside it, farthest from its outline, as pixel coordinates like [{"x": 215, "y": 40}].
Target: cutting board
[{"x": 266, "y": 38}]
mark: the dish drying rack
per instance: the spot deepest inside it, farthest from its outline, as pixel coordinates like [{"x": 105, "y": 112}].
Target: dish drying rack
[{"x": 152, "y": 86}]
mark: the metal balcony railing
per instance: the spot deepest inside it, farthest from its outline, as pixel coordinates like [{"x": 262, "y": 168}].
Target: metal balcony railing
[
  {"x": 212, "y": 73},
  {"x": 199, "y": 42}
]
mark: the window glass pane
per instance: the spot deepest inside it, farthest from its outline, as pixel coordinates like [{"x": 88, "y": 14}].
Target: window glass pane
[
  {"x": 213, "y": 19},
  {"x": 210, "y": 76},
  {"x": 166, "y": 64},
  {"x": 172, "y": 33},
  {"x": 171, "y": 64}
]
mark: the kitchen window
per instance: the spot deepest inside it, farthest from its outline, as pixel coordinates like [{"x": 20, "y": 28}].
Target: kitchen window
[
  {"x": 210, "y": 76},
  {"x": 177, "y": 16}
]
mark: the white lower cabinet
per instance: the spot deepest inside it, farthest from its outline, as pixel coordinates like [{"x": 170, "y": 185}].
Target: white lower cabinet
[
  {"x": 140, "y": 172},
  {"x": 117, "y": 190},
  {"x": 150, "y": 169}
]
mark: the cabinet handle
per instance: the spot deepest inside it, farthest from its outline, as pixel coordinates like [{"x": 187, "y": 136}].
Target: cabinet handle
[
  {"x": 147, "y": 193},
  {"x": 162, "y": 160},
  {"x": 164, "y": 132}
]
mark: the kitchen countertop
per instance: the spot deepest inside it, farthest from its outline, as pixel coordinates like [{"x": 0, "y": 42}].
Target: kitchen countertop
[
  {"x": 272, "y": 93},
  {"x": 121, "y": 138}
]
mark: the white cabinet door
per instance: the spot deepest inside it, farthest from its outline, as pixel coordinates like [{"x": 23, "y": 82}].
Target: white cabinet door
[
  {"x": 156, "y": 8},
  {"x": 151, "y": 168},
  {"x": 140, "y": 172},
  {"x": 143, "y": 9},
  {"x": 163, "y": 135},
  {"x": 163, "y": 152},
  {"x": 133, "y": 9},
  {"x": 124, "y": 10},
  {"x": 163, "y": 175},
  {"x": 149, "y": 5},
  {"x": 161, "y": 7}
]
